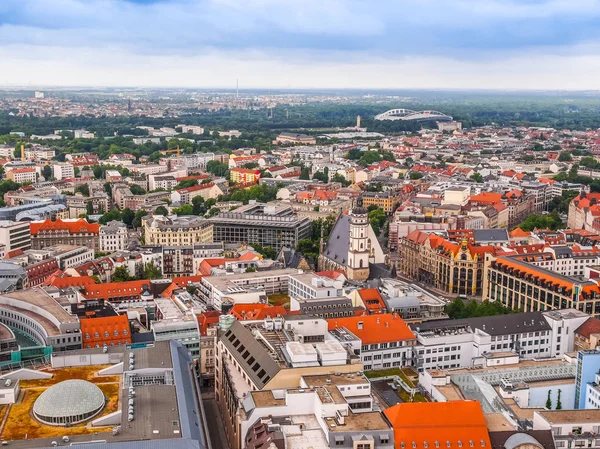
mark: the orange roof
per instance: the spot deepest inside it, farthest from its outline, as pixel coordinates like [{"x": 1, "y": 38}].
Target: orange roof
[
  {"x": 371, "y": 329},
  {"x": 114, "y": 289},
  {"x": 590, "y": 327},
  {"x": 372, "y": 299},
  {"x": 105, "y": 330},
  {"x": 518, "y": 232},
  {"x": 333, "y": 274},
  {"x": 486, "y": 197},
  {"x": 256, "y": 311},
  {"x": 184, "y": 281},
  {"x": 60, "y": 281},
  {"x": 207, "y": 319},
  {"x": 74, "y": 227},
  {"x": 246, "y": 170},
  {"x": 24, "y": 170},
  {"x": 454, "y": 424}
]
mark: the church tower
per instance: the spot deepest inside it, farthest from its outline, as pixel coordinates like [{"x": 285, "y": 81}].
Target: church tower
[{"x": 358, "y": 252}]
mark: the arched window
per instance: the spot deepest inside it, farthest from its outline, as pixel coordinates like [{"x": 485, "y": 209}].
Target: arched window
[{"x": 360, "y": 263}]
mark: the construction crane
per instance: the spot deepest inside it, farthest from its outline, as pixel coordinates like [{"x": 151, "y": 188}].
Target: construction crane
[{"x": 176, "y": 150}]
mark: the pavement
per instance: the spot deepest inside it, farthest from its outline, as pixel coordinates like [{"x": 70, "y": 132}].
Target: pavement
[{"x": 216, "y": 430}]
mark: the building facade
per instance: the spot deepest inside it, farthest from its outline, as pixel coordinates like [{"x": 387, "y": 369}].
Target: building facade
[
  {"x": 178, "y": 231},
  {"x": 64, "y": 232}
]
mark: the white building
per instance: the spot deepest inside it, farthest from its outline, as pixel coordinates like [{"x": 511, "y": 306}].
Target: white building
[
  {"x": 592, "y": 393},
  {"x": 191, "y": 129},
  {"x": 83, "y": 134},
  {"x": 63, "y": 170},
  {"x": 464, "y": 343},
  {"x": 22, "y": 175},
  {"x": 312, "y": 286},
  {"x": 570, "y": 428},
  {"x": 15, "y": 235},
  {"x": 113, "y": 237},
  {"x": 244, "y": 288}
]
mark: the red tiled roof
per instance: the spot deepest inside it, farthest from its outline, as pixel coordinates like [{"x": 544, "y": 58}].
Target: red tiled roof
[
  {"x": 74, "y": 227},
  {"x": 373, "y": 329},
  {"x": 256, "y": 311},
  {"x": 591, "y": 326},
  {"x": 114, "y": 289},
  {"x": 420, "y": 425}
]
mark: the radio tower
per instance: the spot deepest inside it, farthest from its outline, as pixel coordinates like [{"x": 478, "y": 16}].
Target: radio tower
[{"x": 237, "y": 87}]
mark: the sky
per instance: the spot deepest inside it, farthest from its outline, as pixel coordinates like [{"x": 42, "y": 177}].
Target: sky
[{"x": 302, "y": 44}]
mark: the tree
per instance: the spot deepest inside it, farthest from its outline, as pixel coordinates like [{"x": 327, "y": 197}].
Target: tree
[
  {"x": 186, "y": 183},
  {"x": 377, "y": 219},
  {"x": 565, "y": 156},
  {"x": 551, "y": 221},
  {"x": 369, "y": 157},
  {"x": 198, "y": 207},
  {"x": 127, "y": 216},
  {"x": 250, "y": 269},
  {"x": 89, "y": 208},
  {"x": 84, "y": 189},
  {"x": 136, "y": 190},
  {"x": 477, "y": 177},
  {"x": 218, "y": 169},
  {"x": 108, "y": 189},
  {"x": 549, "y": 401},
  {"x": 137, "y": 221},
  {"x": 457, "y": 309},
  {"x": 267, "y": 252},
  {"x": 121, "y": 275},
  {"x": 321, "y": 176},
  {"x": 414, "y": 175},
  {"x": 339, "y": 178},
  {"x": 186, "y": 209},
  {"x": 389, "y": 156},
  {"x": 305, "y": 174},
  {"x": 114, "y": 214},
  {"x": 558, "y": 403},
  {"x": 161, "y": 210},
  {"x": 47, "y": 172},
  {"x": 151, "y": 271}
]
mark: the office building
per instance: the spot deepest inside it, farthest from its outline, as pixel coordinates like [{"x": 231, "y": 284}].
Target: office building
[
  {"x": 261, "y": 224},
  {"x": 113, "y": 237},
  {"x": 15, "y": 235},
  {"x": 63, "y": 170}
]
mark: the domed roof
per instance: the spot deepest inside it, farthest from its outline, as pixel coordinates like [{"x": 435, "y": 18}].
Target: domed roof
[{"x": 69, "y": 398}]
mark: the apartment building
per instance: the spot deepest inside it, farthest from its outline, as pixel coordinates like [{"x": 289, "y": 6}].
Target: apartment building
[
  {"x": 244, "y": 175},
  {"x": 22, "y": 175},
  {"x": 521, "y": 285},
  {"x": 64, "y": 232},
  {"x": 492, "y": 341},
  {"x": 269, "y": 355},
  {"x": 177, "y": 231},
  {"x": 383, "y": 200},
  {"x": 328, "y": 411},
  {"x": 310, "y": 286},
  {"x": 113, "y": 236},
  {"x": 63, "y": 170},
  {"x": 218, "y": 291},
  {"x": 570, "y": 428},
  {"x": 15, "y": 235},
  {"x": 383, "y": 341}
]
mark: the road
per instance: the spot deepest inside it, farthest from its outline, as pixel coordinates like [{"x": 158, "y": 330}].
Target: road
[{"x": 218, "y": 438}]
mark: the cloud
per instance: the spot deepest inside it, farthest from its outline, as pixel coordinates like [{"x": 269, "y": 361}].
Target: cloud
[{"x": 308, "y": 43}]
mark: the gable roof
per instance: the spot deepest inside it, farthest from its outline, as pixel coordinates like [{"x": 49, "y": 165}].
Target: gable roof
[
  {"x": 339, "y": 241},
  {"x": 75, "y": 226},
  {"x": 591, "y": 326},
  {"x": 372, "y": 329},
  {"x": 420, "y": 425}
]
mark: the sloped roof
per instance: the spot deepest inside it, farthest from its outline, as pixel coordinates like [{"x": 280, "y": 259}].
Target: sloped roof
[
  {"x": 372, "y": 329},
  {"x": 339, "y": 241},
  {"x": 591, "y": 326},
  {"x": 74, "y": 227},
  {"x": 420, "y": 425}
]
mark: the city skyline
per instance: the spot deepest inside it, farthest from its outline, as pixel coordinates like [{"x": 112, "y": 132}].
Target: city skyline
[{"x": 541, "y": 44}]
